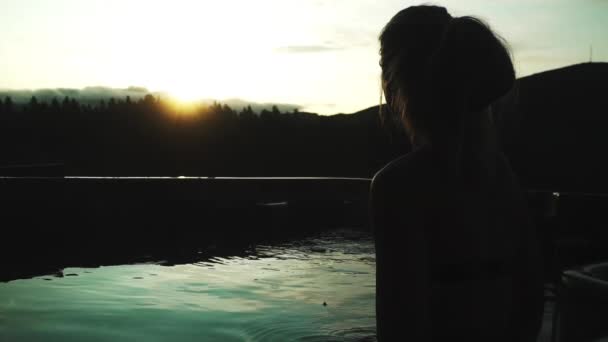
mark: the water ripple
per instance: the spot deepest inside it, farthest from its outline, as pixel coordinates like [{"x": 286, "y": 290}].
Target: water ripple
[{"x": 270, "y": 293}]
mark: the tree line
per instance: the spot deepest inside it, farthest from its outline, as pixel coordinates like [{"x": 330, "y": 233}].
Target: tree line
[{"x": 153, "y": 137}]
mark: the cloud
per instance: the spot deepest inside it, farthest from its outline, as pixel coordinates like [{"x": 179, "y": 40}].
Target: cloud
[
  {"x": 84, "y": 95},
  {"x": 341, "y": 38},
  {"x": 238, "y": 104},
  {"x": 308, "y": 48}
]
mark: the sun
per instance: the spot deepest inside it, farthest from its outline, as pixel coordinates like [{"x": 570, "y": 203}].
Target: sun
[
  {"x": 204, "y": 54},
  {"x": 185, "y": 94}
]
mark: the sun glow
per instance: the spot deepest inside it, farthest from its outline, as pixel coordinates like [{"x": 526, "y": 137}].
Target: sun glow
[
  {"x": 186, "y": 93},
  {"x": 269, "y": 51},
  {"x": 218, "y": 50},
  {"x": 202, "y": 50}
]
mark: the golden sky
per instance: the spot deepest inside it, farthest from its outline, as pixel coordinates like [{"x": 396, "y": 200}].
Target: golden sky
[{"x": 322, "y": 55}]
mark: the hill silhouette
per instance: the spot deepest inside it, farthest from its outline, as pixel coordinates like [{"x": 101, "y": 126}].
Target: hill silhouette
[{"x": 558, "y": 132}]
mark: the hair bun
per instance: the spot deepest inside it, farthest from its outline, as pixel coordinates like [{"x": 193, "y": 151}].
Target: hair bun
[{"x": 471, "y": 66}]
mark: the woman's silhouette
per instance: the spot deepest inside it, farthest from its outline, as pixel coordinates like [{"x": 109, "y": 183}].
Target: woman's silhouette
[{"x": 456, "y": 252}]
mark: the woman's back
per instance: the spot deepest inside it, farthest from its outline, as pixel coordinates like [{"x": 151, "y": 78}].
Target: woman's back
[
  {"x": 456, "y": 254},
  {"x": 452, "y": 257}
]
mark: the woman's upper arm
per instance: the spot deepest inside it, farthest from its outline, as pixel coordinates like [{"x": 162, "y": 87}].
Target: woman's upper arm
[
  {"x": 377, "y": 205},
  {"x": 402, "y": 297},
  {"x": 528, "y": 284}
]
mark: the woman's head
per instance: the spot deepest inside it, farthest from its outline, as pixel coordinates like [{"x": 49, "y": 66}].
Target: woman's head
[{"x": 438, "y": 69}]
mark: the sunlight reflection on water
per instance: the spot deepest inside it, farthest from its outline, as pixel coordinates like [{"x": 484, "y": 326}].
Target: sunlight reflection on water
[{"x": 276, "y": 293}]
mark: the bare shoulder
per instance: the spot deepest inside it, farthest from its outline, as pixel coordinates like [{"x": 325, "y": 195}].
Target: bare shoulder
[{"x": 408, "y": 171}]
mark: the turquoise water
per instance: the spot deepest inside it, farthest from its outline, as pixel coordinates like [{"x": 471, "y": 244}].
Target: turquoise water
[{"x": 276, "y": 293}]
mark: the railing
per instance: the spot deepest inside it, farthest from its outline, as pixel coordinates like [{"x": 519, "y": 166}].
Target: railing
[
  {"x": 88, "y": 213},
  {"x": 99, "y": 220}
]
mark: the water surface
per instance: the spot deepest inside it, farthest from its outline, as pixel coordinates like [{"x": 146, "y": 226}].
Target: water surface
[{"x": 315, "y": 289}]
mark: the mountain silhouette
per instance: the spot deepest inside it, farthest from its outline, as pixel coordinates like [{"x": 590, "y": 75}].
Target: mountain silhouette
[{"x": 558, "y": 134}]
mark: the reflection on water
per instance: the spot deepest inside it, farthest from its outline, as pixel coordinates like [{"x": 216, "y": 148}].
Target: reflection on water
[{"x": 275, "y": 293}]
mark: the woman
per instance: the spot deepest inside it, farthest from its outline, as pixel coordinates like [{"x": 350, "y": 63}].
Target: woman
[{"x": 456, "y": 253}]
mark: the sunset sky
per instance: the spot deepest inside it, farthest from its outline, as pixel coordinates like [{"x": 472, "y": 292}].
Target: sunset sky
[{"x": 322, "y": 55}]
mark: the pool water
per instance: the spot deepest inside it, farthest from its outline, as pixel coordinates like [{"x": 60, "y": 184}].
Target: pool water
[{"x": 314, "y": 289}]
